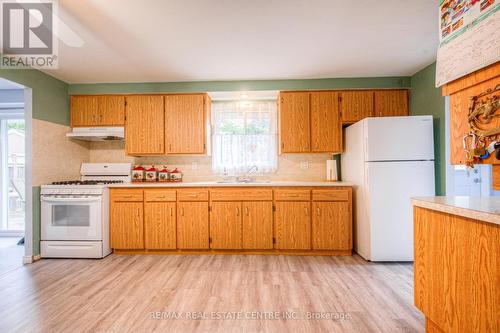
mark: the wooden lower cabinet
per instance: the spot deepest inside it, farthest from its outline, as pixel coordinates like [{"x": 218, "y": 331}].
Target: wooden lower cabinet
[
  {"x": 127, "y": 225},
  {"x": 331, "y": 226},
  {"x": 192, "y": 225},
  {"x": 257, "y": 225},
  {"x": 160, "y": 225},
  {"x": 225, "y": 225},
  {"x": 292, "y": 225},
  {"x": 264, "y": 219}
]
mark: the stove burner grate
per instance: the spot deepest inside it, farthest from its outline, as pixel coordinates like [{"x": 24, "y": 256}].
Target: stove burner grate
[{"x": 88, "y": 182}]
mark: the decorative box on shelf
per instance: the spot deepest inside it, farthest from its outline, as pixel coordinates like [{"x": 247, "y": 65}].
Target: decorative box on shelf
[
  {"x": 138, "y": 173},
  {"x": 164, "y": 174},
  {"x": 176, "y": 175},
  {"x": 151, "y": 174}
]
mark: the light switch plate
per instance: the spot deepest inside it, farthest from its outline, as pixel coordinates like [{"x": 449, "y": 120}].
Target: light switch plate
[
  {"x": 194, "y": 166},
  {"x": 304, "y": 165}
]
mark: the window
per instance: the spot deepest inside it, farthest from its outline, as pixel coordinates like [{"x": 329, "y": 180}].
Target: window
[{"x": 244, "y": 135}]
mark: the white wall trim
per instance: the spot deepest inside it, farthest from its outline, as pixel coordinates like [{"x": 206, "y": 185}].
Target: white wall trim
[{"x": 27, "y": 260}]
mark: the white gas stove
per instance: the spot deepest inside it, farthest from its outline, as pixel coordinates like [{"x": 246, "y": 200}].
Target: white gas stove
[{"x": 75, "y": 214}]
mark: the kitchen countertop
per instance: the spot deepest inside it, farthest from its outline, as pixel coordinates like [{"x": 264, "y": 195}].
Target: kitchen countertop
[
  {"x": 485, "y": 209},
  {"x": 232, "y": 184}
]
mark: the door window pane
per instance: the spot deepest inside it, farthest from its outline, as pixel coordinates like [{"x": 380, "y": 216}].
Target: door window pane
[{"x": 13, "y": 167}]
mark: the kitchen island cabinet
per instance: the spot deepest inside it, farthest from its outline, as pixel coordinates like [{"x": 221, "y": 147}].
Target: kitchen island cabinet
[
  {"x": 457, "y": 263},
  {"x": 232, "y": 219}
]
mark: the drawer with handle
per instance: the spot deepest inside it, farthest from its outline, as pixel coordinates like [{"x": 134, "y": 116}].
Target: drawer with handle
[
  {"x": 330, "y": 195},
  {"x": 241, "y": 194},
  {"x": 192, "y": 195},
  {"x": 159, "y": 195},
  {"x": 126, "y": 195},
  {"x": 292, "y": 195}
]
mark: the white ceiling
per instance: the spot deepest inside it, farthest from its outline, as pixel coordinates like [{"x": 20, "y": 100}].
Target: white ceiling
[{"x": 199, "y": 40}]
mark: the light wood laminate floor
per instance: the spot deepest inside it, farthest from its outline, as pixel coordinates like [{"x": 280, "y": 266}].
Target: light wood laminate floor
[{"x": 137, "y": 293}]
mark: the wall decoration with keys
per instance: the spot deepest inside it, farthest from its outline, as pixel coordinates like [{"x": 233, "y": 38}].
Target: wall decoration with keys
[{"x": 483, "y": 139}]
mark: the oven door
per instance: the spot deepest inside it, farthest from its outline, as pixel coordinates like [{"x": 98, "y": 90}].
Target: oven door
[{"x": 71, "y": 218}]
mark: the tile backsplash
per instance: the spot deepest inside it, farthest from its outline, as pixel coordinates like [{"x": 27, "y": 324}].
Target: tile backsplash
[{"x": 199, "y": 168}]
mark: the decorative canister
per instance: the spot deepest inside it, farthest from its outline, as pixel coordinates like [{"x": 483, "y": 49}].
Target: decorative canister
[
  {"x": 151, "y": 174},
  {"x": 176, "y": 175},
  {"x": 164, "y": 174},
  {"x": 138, "y": 173}
]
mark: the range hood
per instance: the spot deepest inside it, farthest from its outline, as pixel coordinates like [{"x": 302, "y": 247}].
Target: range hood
[{"x": 97, "y": 133}]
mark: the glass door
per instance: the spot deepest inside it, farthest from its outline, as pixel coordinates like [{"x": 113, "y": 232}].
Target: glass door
[{"x": 12, "y": 169}]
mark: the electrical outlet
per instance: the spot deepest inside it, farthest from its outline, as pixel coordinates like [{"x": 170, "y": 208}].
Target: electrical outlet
[
  {"x": 304, "y": 165},
  {"x": 194, "y": 166}
]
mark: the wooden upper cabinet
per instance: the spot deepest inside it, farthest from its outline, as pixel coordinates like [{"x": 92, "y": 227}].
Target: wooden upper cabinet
[
  {"x": 390, "y": 103},
  {"x": 102, "y": 110},
  {"x": 326, "y": 130},
  {"x": 356, "y": 105},
  {"x": 145, "y": 125},
  {"x": 225, "y": 225},
  {"x": 185, "y": 123},
  {"x": 294, "y": 118},
  {"x": 111, "y": 110},
  {"x": 84, "y": 111}
]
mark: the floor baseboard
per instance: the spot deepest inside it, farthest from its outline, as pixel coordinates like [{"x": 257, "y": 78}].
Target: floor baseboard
[{"x": 31, "y": 259}]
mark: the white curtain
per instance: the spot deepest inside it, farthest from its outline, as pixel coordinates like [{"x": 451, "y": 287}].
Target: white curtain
[{"x": 244, "y": 135}]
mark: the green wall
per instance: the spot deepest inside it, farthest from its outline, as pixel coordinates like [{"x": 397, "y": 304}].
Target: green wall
[
  {"x": 50, "y": 95},
  {"x": 426, "y": 99},
  {"x": 50, "y": 103},
  {"x": 204, "y": 86}
]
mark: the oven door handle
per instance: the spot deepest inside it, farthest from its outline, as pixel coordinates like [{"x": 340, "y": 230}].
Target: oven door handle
[{"x": 52, "y": 199}]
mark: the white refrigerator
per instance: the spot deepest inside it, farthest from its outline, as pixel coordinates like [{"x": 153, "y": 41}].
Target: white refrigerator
[{"x": 389, "y": 160}]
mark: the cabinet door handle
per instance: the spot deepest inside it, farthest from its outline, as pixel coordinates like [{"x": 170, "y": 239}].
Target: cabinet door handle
[
  {"x": 137, "y": 213},
  {"x": 246, "y": 210},
  {"x": 182, "y": 211},
  {"x": 307, "y": 211},
  {"x": 318, "y": 211},
  {"x": 170, "y": 211},
  {"x": 237, "y": 211}
]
